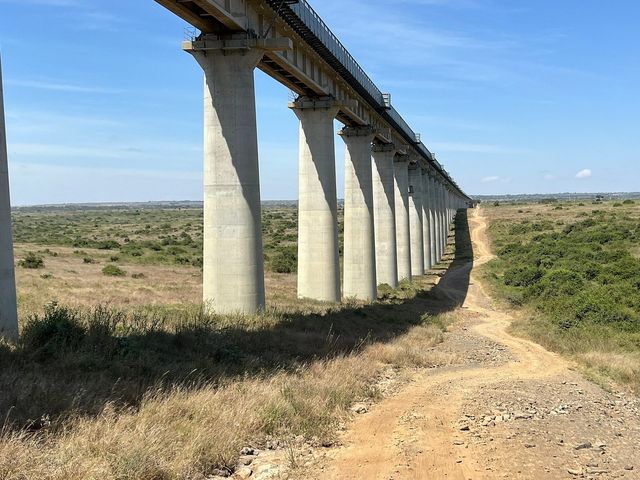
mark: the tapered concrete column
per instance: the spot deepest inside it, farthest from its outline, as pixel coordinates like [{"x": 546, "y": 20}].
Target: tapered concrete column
[
  {"x": 437, "y": 219},
  {"x": 233, "y": 275},
  {"x": 8, "y": 304},
  {"x": 403, "y": 235},
  {"x": 318, "y": 257},
  {"x": 444, "y": 226},
  {"x": 426, "y": 229},
  {"x": 359, "y": 236},
  {"x": 384, "y": 215},
  {"x": 433, "y": 229},
  {"x": 415, "y": 221}
]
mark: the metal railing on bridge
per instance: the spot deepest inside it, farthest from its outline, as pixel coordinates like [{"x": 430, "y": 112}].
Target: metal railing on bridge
[{"x": 307, "y": 23}]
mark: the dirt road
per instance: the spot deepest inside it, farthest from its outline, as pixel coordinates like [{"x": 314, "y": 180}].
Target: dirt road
[{"x": 509, "y": 409}]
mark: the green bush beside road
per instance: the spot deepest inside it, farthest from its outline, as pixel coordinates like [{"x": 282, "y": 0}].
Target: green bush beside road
[{"x": 580, "y": 278}]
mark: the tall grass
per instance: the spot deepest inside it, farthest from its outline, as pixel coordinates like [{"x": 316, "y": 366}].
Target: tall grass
[{"x": 106, "y": 394}]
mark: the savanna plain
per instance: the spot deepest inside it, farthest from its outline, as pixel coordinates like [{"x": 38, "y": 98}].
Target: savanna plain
[{"x": 483, "y": 368}]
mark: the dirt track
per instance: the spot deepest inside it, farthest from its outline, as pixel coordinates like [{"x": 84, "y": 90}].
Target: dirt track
[{"x": 509, "y": 409}]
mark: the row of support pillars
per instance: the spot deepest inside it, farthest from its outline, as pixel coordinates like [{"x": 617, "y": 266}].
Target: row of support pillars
[{"x": 396, "y": 213}]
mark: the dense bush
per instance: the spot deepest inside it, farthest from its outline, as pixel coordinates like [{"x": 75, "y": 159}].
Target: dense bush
[
  {"x": 31, "y": 260},
  {"x": 113, "y": 271},
  {"x": 522, "y": 276},
  {"x": 584, "y": 274},
  {"x": 285, "y": 260}
]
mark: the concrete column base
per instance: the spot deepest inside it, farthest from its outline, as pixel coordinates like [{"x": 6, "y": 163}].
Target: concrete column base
[
  {"x": 385, "y": 215},
  {"x": 233, "y": 272},
  {"x": 359, "y": 234},
  {"x": 433, "y": 229},
  {"x": 318, "y": 256},
  {"x": 415, "y": 221},
  {"x": 8, "y": 303},
  {"x": 426, "y": 229},
  {"x": 403, "y": 231}
]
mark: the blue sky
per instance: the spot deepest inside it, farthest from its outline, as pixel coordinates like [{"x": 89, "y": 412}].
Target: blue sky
[{"x": 514, "y": 96}]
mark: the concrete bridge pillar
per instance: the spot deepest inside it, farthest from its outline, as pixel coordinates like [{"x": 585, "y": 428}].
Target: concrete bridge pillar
[
  {"x": 385, "y": 215},
  {"x": 437, "y": 230},
  {"x": 359, "y": 235},
  {"x": 433, "y": 227},
  {"x": 426, "y": 229},
  {"x": 8, "y": 303},
  {"x": 415, "y": 221},
  {"x": 444, "y": 226},
  {"x": 318, "y": 257},
  {"x": 403, "y": 235},
  {"x": 233, "y": 272}
]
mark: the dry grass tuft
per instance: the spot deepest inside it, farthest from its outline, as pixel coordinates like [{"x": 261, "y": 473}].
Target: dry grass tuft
[
  {"x": 189, "y": 431},
  {"x": 622, "y": 367}
]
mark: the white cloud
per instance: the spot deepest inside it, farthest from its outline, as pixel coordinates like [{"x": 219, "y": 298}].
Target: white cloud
[
  {"x": 586, "y": 173},
  {"x": 491, "y": 178},
  {"x": 61, "y": 87}
]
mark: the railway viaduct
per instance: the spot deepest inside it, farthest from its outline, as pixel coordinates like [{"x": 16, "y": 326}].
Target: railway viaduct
[{"x": 399, "y": 200}]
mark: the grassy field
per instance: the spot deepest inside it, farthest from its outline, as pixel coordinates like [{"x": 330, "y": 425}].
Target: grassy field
[
  {"x": 122, "y": 376},
  {"x": 154, "y": 255},
  {"x": 574, "y": 271}
]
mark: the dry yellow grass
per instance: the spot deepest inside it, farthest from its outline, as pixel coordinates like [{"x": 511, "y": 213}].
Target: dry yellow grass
[
  {"x": 292, "y": 371},
  {"x": 73, "y": 282},
  {"x": 188, "y": 431},
  {"x": 622, "y": 367}
]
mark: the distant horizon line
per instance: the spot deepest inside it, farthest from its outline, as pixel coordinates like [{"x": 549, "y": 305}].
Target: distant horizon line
[{"x": 200, "y": 202}]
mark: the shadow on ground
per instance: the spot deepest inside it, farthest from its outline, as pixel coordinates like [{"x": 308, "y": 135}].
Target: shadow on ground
[{"x": 74, "y": 371}]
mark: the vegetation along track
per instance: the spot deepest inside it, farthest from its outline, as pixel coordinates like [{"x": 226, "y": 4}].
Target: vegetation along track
[{"x": 523, "y": 415}]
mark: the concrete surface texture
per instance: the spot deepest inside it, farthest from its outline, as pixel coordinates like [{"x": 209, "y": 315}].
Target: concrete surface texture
[
  {"x": 359, "y": 238},
  {"x": 8, "y": 304},
  {"x": 318, "y": 258},
  {"x": 233, "y": 275},
  {"x": 426, "y": 229},
  {"x": 384, "y": 215},
  {"x": 403, "y": 235},
  {"x": 415, "y": 221}
]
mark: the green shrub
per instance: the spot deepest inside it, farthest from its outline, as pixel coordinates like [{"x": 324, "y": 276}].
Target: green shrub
[
  {"x": 108, "y": 245},
  {"x": 88, "y": 260},
  {"x": 522, "y": 276},
  {"x": 113, "y": 271},
  {"x": 57, "y": 332},
  {"x": 557, "y": 283},
  {"x": 285, "y": 260},
  {"x": 31, "y": 260},
  {"x": 138, "y": 275}
]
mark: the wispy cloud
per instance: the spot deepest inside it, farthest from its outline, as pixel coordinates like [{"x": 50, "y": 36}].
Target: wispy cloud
[
  {"x": 83, "y": 14},
  {"x": 46, "y": 3},
  {"x": 119, "y": 152},
  {"x": 582, "y": 174},
  {"x": 42, "y": 169},
  {"x": 491, "y": 178},
  {"x": 61, "y": 86}
]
